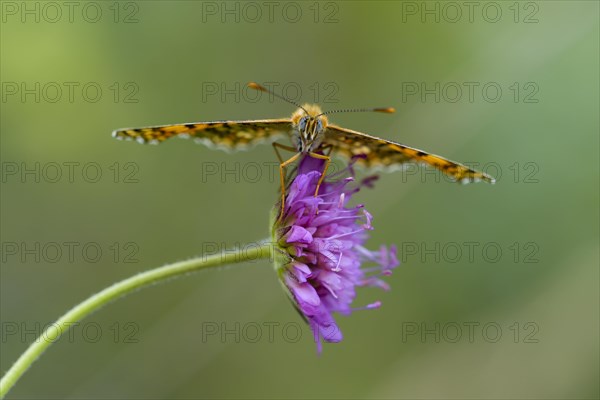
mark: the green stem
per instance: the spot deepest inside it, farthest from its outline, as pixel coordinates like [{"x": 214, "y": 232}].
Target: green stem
[{"x": 262, "y": 250}]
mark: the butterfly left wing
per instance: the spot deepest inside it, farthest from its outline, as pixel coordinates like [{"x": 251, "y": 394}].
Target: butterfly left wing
[
  {"x": 377, "y": 152},
  {"x": 227, "y": 135}
]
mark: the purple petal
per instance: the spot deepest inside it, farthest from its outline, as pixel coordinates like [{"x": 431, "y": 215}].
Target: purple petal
[{"x": 298, "y": 234}]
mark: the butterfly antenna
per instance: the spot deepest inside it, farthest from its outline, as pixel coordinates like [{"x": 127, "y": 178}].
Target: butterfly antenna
[
  {"x": 256, "y": 86},
  {"x": 388, "y": 110}
]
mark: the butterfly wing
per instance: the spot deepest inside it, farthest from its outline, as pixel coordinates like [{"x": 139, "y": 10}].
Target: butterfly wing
[
  {"x": 227, "y": 135},
  {"x": 381, "y": 153}
]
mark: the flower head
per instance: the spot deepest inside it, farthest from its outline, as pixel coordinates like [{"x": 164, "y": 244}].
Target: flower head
[{"x": 320, "y": 241}]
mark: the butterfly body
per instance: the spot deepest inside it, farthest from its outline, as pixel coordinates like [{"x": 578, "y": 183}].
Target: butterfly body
[
  {"x": 310, "y": 134},
  {"x": 306, "y": 135}
]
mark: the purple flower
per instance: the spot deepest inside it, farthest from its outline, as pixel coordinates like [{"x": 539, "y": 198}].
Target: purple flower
[{"x": 320, "y": 248}]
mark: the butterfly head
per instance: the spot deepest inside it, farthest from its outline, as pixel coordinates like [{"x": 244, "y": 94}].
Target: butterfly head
[
  {"x": 309, "y": 127},
  {"x": 309, "y": 123}
]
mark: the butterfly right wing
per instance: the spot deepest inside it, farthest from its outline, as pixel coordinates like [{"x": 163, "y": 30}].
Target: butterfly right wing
[
  {"x": 381, "y": 153},
  {"x": 226, "y": 135}
]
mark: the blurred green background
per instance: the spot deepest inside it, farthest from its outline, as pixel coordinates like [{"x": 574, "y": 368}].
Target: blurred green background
[{"x": 515, "y": 318}]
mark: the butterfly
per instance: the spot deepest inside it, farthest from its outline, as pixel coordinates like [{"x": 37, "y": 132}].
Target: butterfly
[{"x": 310, "y": 134}]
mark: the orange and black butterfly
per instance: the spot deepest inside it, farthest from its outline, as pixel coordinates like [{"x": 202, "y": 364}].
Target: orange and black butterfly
[{"x": 311, "y": 134}]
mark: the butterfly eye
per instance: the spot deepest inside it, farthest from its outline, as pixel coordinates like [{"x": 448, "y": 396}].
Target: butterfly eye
[
  {"x": 302, "y": 124},
  {"x": 319, "y": 125}
]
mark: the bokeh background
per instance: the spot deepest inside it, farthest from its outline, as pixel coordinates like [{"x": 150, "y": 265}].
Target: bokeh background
[{"x": 516, "y": 317}]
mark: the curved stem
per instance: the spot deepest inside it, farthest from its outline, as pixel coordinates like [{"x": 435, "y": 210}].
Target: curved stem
[{"x": 262, "y": 250}]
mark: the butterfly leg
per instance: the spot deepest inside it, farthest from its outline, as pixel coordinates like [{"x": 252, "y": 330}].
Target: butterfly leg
[
  {"x": 282, "y": 166},
  {"x": 284, "y": 147},
  {"x": 327, "y": 162}
]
